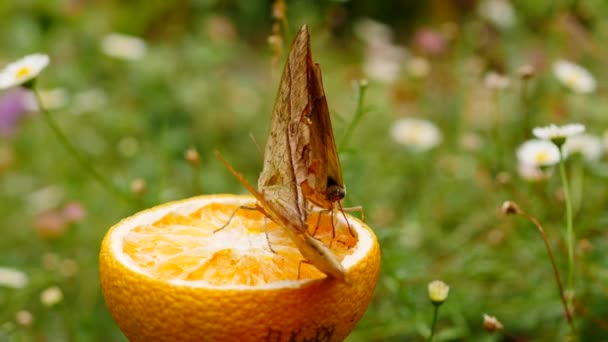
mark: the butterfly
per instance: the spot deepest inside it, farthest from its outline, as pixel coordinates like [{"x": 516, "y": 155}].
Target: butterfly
[
  {"x": 316, "y": 163},
  {"x": 314, "y": 154},
  {"x": 280, "y": 194}
]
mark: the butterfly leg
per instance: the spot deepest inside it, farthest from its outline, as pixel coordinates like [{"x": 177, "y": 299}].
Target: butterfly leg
[
  {"x": 232, "y": 216},
  {"x": 351, "y": 209},
  {"x": 321, "y": 212},
  {"x": 333, "y": 227},
  {"x": 303, "y": 261},
  {"x": 267, "y": 236}
]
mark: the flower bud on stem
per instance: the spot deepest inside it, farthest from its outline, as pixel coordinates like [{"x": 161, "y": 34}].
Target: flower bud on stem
[
  {"x": 511, "y": 208},
  {"x": 194, "y": 160}
]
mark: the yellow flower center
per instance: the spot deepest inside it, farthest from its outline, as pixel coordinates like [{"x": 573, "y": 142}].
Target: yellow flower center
[
  {"x": 413, "y": 137},
  {"x": 573, "y": 80},
  {"x": 542, "y": 157},
  {"x": 23, "y": 72}
]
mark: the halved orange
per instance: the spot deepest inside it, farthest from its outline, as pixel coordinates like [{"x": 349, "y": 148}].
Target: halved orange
[{"x": 166, "y": 276}]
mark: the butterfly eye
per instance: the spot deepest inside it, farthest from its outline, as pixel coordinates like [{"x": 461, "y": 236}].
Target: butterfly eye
[{"x": 335, "y": 192}]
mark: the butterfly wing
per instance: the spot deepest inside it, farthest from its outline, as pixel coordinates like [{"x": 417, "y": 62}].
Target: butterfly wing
[
  {"x": 315, "y": 159},
  {"x": 277, "y": 180},
  {"x": 324, "y": 131}
]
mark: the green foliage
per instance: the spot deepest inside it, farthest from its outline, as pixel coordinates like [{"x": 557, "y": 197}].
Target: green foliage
[{"x": 206, "y": 81}]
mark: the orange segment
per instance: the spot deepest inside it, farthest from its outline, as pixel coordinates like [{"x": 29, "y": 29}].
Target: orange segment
[
  {"x": 184, "y": 246},
  {"x": 166, "y": 275}
]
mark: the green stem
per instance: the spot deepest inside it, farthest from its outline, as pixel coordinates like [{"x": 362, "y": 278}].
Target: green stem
[
  {"x": 497, "y": 129},
  {"x": 574, "y": 5},
  {"x": 569, "y": 229},
  {"x": 196, "y": 180},
  {"x": 162, "y": 156},
  {"x": 286, "y": 31},
  {"x": 558, "y": 280},
  {"x": 576, "y": 185},
  {"x": 525, "y": 106},
  {"x": 85, "y": 164},
  {"x": 434, "y": 324},
  {"x": 361, "y": 88}
]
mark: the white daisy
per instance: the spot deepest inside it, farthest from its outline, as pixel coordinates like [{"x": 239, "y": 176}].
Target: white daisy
[
  {"x": 89, "y": 100},
  {"x": 44, "y": 199},
  {"x": 553, "y": 132},
  {"x": 494, "y": 80},
  {"x": 418, "y": 67},
  {"x": 383, "y": 61},
  {"x": 12, "y": 278},
  {"x": 123, "y": 46},
  {"x": 371, "y": 31},
  {"x": 418, "y": 134},
  {"x": 587, "y": 145},
  {"x": 51, "y": 296},
  {"x": 532, "y": 173},
  {"x": 538, "y": 153},
  {"x": 470, "y": 141},
  {"x": 24, "y": 318},
  {"x": 23, "y": 70},
  {"x": 498, "y": 12},
  {"x": 574, "y": 76}
]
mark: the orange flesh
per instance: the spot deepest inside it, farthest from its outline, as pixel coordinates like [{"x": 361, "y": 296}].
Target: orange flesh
[{"x": 185, "y": 247}]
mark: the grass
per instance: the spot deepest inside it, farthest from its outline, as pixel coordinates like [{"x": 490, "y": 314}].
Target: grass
[{"x": 206, "y": 81}]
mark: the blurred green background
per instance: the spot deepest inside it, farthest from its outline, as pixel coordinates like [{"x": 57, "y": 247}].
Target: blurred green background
[{"x": 205, "y": 79}]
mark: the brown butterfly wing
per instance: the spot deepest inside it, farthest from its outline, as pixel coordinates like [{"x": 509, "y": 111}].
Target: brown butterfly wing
[
  {"x": 315, "y": 160},
  {"x": 277, "y": 180},
  {"x": 324, "y": 131}
]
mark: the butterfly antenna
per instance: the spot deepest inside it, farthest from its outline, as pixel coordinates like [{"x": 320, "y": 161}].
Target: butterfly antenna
[
  {"x": 257, "y": 146},
  {"x": 229, "y": 220},
  {"x": 244, "y": 207}
]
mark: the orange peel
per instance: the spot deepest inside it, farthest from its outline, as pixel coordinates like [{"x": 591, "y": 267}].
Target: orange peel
[{"x": 166, "y": 275}]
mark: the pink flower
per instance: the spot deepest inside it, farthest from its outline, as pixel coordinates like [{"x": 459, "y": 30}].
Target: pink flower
[
  {"x": 14, "y": 105},
  {"x": 429, "y": 41},
  {"x": 50, "y": 225},
  {"x": 74, "y": 212}
]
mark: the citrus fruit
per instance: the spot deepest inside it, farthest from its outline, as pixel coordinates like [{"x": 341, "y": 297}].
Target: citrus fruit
[{"x": 168, "y": 275}]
